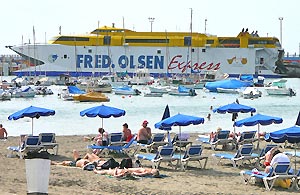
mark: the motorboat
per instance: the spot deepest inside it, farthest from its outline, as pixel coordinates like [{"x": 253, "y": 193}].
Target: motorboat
[
  {"x": 183, "y": 91},
  {"x": 4, "y": 95},
  {"x": 159, "y": 89},
  {"x": 141, "y": 77},
  {"x": 278, "y": 87},
  {"x": 91, "y": 97},
  {"x": 23, "y": 92},
  {"x": 153, "y": 94},
  {"x": 229, "y": 90},
  {"x": 126, "y": 90},
  {"x": 69, "y": 92},
  {"x": 43, "y": 90},
  {"x": 251, "y": 93}
]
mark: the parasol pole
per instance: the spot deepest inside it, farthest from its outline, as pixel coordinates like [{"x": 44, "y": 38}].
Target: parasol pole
[
  {"x": 258, "y": 136},
  {"x": 180, "y": 147},
  {"x": 32, "y": 126},
  {"x": 102, "y": 132}
]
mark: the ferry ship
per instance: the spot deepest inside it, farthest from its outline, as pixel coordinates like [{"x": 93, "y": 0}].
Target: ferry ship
[{"x": 114, "y": 50}]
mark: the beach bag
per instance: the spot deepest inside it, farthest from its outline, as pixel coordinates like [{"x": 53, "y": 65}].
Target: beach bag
[
  {"x": 126, "y": 163},
  {"x": 110, "y": 163},
  {"x": 284, "y": 183}
]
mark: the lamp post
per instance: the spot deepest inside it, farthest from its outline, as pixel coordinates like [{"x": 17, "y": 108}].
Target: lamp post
[
  {"x": 280, "y": 19},
  {"x": 151, "y": 20}
]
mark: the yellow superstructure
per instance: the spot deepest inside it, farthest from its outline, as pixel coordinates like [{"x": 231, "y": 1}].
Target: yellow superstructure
[{"x": 111, "y": 36}]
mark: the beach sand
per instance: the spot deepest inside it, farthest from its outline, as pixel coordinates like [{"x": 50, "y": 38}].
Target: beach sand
[{"x": 215, "y": 179}]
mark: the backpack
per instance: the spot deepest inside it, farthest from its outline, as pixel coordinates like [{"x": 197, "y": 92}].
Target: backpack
[
  {"x": 126, "y": 163},
  {"x": 110, "y": 163}
]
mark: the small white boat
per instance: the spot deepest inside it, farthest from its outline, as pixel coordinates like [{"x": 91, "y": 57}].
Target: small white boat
[
  {"x": 183, "y": 91},
  {"x": 23, "y": 92},
  {"x": 153, "y": 94},
  {"x": 126, "y": 90},
  {"x": 159, "y": 89},
  {"x": 279, "y": 88},
  {"x": 4, "y": 95},
  {"x": 251, "y": 93},
  {"x": 230, "y": 91},
  {"x": 141, "y": 77}
]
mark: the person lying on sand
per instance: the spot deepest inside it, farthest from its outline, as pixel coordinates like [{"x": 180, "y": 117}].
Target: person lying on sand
[
  {"x": 81, "y": 162},
  {"x": 140, "y": 171}
]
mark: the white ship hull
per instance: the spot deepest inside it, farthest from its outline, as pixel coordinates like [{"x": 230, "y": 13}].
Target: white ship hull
[{"x": 54, "y": 59}]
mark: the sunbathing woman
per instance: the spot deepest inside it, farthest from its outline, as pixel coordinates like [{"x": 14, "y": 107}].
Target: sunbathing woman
[
  {"x": 140, "y": 171},
  {"x": 81, "y": 162}
]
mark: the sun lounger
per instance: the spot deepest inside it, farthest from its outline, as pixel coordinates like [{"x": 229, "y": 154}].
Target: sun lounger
[
  {"x": 31, "y": 144},
  {"x": 158, "y": 139},
  {"x": 192, "y": 153},
  {"x": 245, "y": 152},
  {"x": 115, "y": 139},
  {"x": 221, "y": 138},
  {"x": 181, "y": 140},
  {"x": 277, "y": 171},
  {"x": 163, "y": 154},
  {"x": 246, "y": 137},
  {"x": 47, "y": 141},
  {"x": 125, "y": 149}
]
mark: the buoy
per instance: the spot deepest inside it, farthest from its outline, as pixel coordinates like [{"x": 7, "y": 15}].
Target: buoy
[
  {"x": 123, "y": 96},
  {"x": 129, "y": 96}
]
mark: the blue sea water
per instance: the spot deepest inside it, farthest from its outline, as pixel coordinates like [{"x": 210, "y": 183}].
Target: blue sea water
[{"x": 67, "y": 120}]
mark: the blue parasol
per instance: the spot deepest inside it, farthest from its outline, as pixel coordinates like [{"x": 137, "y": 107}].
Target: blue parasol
[
  {"x": 103, "y": 112},
  {"x": 234, "y": 108},
  {"x": 31, "y": 112},
  {"x": 179, "y": 120},
  {"x": 166, "y": 115},
  {"x": 258, "y": 119}
]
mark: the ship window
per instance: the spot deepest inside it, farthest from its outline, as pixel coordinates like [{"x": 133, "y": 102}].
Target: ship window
[
  {"x": 187, "y": 41},
  {"x": 106, "y": 40},
  {"x": 146, "y": 40},
  {"x": 193, "y": 50},
  {"x": 210, "y": 41},
  {"x": 261, "y": 41},
  {"x": 90, "y": 51},
  {"x": 67, "y": 38},
  {"x": 203, "y": 50},
  {"x": 65, "y": 56},
  {"x": 158, "y": 51},
  {"x": 229, "y": 42}
]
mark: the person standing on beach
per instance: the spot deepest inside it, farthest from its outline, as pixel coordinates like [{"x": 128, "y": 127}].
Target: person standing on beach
[
  {"x": 3, "y": 132},
  {"x": 144, "y": 134}
]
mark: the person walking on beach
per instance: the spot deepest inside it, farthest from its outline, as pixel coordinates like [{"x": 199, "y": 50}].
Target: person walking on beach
[
  {"x": 3, "y": 132},
  {"x": 144, "y": 134}
]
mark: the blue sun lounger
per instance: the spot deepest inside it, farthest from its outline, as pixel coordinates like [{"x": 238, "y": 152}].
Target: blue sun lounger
[
  {"x": 125, "y": 149},
  {"x": 163, "y": 154},
  {"x": 31, "y": 144},
  {"x": 245, "y": 152},
  {"x": 277, "y": 171},
  {"x": 192, "y": 153}
]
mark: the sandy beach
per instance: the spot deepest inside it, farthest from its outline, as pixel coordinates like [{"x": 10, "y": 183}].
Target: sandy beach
[{"x": 215, "y": 179}]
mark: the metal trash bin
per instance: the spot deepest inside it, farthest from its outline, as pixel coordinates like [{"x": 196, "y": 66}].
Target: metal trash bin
[{"x": 37, "y": 175}]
